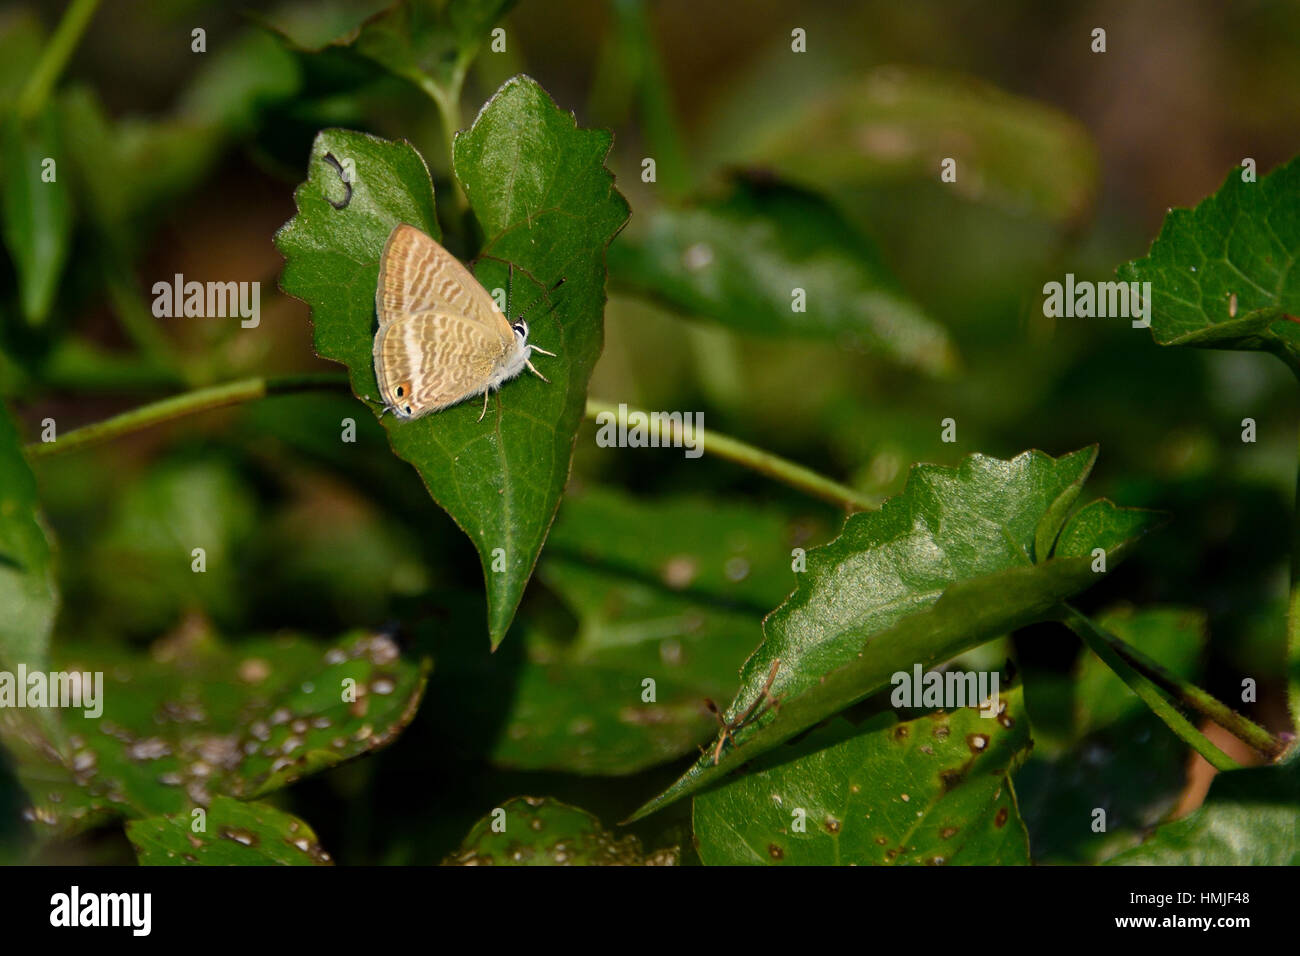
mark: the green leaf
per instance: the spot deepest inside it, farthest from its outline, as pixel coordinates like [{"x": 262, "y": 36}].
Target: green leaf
[
  {"x": 235, "y": 834},
  {"x": 1249, "y": 818},
  {"x": 424, "y": 41},
  {"x": 539, "y": 189},
  {"x": 37, "y": 223},
  {"x": 899, "y": 122},
  {"x": 28, "y": 597},
  {"x": 194, "y": 719},
  {"x": 1223, "y": 275},
  {"x": 672, "y": 591},
  {"x": 933, "y": 790},
  {"x": 737, "y": 258},
  {"x": 540, "y": 831},
  {"x": 943, "y": 567},
  {"x": 436, "y": 39}
]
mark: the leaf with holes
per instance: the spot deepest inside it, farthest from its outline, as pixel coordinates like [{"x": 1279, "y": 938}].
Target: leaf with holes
[
  {"x": 961, "y": 556},
  {"x": 234, "y": 833},
  {"x": 539, "y": 831},
  {"x": 734, "y": 259},
  {"x": 1223, "y": 275},
  {"x": 547, "y": 205},
  {"x": 194, "y": 719},
  {"x": 932, "y": 790}
]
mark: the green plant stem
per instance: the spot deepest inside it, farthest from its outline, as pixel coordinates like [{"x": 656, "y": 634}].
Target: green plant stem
[
  {"x": 250, "y": 389},
  {"x": 1181, "y": 691},
  {"x": 187, "y": 403},
  {"x": 787, "y": 472},
  {"x": 447, "y": 99},
  {"x": 55, "y": 56},
  {"x": 1137, "y": 682}
]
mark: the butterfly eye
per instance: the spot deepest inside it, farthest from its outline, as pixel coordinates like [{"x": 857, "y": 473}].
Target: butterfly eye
[{"x": 521, "y": 328}]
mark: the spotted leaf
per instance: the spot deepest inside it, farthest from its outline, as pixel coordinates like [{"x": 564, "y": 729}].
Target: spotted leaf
[
  {"x": 233, "y": 833},
  {"x": 933, "y": 790},
  {"x": 195, "y": 719},
  {"x": 532, "y": 831}
]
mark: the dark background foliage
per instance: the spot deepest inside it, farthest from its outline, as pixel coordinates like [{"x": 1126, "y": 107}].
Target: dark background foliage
[{"x": 186, "y": 163}]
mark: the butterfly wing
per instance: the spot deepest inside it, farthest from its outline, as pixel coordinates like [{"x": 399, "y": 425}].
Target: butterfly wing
[
  {"x": 417, "y": 275},
  {"x": 426, "y": 361}
]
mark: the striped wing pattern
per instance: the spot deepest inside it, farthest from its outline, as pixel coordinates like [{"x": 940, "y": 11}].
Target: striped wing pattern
[
  {"x": 416, "y": 274},
  {"x": 438, "y": 357},
  {"x": 440, "y": 335}
]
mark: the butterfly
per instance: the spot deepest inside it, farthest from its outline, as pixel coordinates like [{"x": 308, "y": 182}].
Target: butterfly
[{"x": 441, "y": 337}]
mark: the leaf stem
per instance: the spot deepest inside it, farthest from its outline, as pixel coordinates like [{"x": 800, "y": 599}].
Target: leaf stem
[
  {"x": 187, "y": 403},
  {"x": 1110, "y": 647},
  {"x": 787, "y": 472},
  {"x": 447, "y": 99},
  {"x": 250, "y": 389},
  {"x": 55, "y": 56}
]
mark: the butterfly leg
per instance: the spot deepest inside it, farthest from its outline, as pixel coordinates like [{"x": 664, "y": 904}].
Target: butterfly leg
[
  {"x": 537, "y": 373},
  {"x": 543, "y": 351},
  {"x": 485, "y": 401}
]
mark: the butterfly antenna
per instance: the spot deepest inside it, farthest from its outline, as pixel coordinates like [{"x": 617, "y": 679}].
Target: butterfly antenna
[{"x": 551, "y": 308}]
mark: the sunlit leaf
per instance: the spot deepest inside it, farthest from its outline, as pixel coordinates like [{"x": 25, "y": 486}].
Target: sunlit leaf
[
  {"x": 941, "y": 568},
  {"x": 934, "y": 790},
  {"x": 1223, "y": 275}
]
